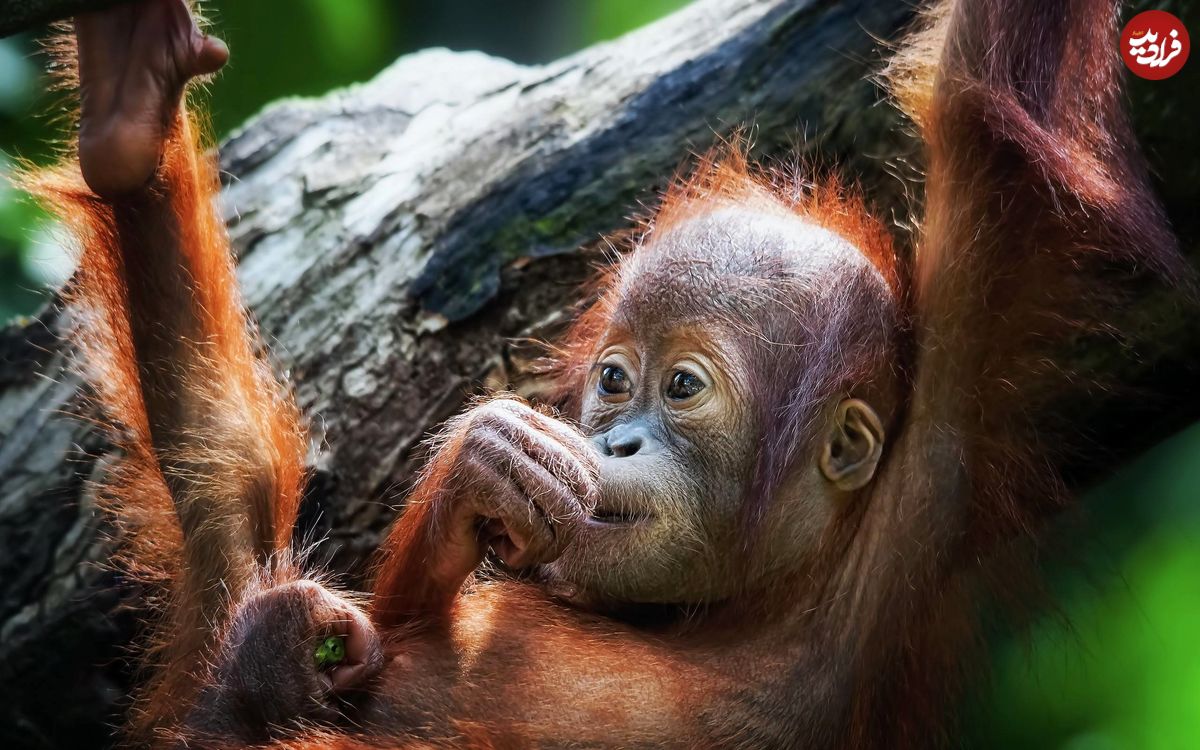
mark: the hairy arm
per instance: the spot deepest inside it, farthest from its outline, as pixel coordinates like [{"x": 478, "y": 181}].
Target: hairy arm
[
  {"x": 504, "y": 477},
  {"x": 503, "y": 661},
  {"x": 485, "y": 664},
  {"x": 213, "y": 468},
  {"x": 519, "y": 669},
  {"x": 1038, "y": 211}
]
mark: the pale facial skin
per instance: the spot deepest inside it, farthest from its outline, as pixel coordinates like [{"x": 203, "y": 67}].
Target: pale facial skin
[
  {"x": 671, "y": 426},
  {"x": 669, "y": 405}
]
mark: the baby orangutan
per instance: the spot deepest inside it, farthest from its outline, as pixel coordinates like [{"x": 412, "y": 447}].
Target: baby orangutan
[{"x": 783, "y": 461}]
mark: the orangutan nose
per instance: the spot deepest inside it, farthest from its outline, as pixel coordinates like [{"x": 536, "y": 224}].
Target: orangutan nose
[{"x": 625, "y": 440}]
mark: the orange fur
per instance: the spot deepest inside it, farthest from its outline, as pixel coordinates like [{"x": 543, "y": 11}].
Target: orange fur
[
  {"x": 212, "y": 443},
  {"x": 724, "y": 178},
  {"x": 1038, "y": 211},
  {"x": 1033, "y": 176},
  {"x": 1038, "y": 208}
]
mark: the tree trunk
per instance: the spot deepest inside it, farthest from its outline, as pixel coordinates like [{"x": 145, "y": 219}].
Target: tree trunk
[{"x": 398, "y": 240}]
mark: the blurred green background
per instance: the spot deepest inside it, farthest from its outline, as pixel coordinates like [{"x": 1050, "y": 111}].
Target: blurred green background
[{"x": 1125, "y": 671}]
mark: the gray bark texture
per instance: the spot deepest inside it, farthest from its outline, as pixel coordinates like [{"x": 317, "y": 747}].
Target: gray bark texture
[{"x": 400, "y": 239}]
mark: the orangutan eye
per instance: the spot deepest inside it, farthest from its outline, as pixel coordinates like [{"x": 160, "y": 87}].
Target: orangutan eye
[
  {"x": 683, "y": 386},
  {"x": 613, "y": 381}
]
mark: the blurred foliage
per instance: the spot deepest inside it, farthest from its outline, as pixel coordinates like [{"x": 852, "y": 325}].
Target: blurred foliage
[
  {"x": 21, "y": 223},
  {"x": 1124, "y": 674},
  {"x": 611, "y": 18},
  {"x": 1119, "y": 667},
  {"x": 297, "y": 48}
]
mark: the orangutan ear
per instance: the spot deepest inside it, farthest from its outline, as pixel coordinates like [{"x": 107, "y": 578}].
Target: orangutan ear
[{"x": 853, "y": 444}]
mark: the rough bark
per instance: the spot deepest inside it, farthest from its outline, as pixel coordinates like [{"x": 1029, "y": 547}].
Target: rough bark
[{"x": 399, "y": 238}]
